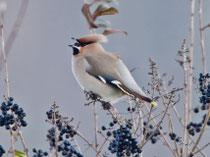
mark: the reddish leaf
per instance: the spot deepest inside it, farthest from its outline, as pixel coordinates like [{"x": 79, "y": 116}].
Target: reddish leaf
[
  {"x": 113, "y": 31},
  {"x": 104, "y": 10},
  {"x": 88, "y": 16}
]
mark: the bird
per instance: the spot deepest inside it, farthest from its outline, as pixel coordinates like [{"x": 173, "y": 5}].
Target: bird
[{"x": 103, "y": 73}]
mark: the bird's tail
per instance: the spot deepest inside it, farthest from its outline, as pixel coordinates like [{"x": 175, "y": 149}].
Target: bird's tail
[{"x": 147, "y": 99}]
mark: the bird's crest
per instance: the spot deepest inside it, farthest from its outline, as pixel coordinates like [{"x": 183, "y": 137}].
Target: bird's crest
[{"x": 93, "y": 38}]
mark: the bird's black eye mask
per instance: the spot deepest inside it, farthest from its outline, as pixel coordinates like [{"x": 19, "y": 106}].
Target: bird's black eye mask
[{"x": 82, "y": 44}]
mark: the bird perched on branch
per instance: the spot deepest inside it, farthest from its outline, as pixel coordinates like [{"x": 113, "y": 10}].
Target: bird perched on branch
[{"x": 103, "y": 73}]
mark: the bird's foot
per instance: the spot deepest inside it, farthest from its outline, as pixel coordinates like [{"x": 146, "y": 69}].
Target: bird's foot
[{"x": 91, "y": 96}]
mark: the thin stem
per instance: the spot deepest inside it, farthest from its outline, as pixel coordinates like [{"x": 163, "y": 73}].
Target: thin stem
[
  {"x": 89, "y": 144},
  {"x": 205, "y": 27},
  {"x": 55, "y": 127},
  {"x": 199, "y": 150},
  {"x": 132, "y": 117},
  {"x": 162, "y": 134},
  {"x": 147, "y": 127},
  {"x": 23, "y": 142},
  {"x": 12, "y": 141},
  {"x": 95, "y": 124},
  {"x": 4, "y": 57},
  {"x": 77, "y": 145},
  {"x": 191, "y": 60},
  {"x": 99, "y": 150},
  {"x": 201, "y": 37},
  {"x": 185, "y": 104}
]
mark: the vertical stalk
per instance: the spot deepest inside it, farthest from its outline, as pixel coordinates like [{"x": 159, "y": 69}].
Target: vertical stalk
[
  {"x": 3, "y": 6},
  {"x": 191, "y": 62},
  {"x": 4, "y": 56},
  {"x": 186, "y": 100},
  {"x": 95, "y": 126},
  {"x": 201, "y": 38}
]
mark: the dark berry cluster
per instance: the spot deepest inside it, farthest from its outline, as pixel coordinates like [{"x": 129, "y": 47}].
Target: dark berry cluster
[
  {"x": 151, "y": 133},
  {"x": 193, "y": 127},
  {"x": 196, "y": 127},
  {"x": 123, "y": 143},
  {"x": 12, "y": 114},
  {"x": 205, "y": 90},
  {"x": 2, "y": 151},
  {"x": 39, "y": 153},
  {"x": 131, "y": 109},
  {"x": 173, "y": 137},
  {"x": 60, "y": 134}
]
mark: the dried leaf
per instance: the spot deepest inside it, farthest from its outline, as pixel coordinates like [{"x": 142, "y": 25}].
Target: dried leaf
[
  {"x": 19, "y": 153},
  {"x": 104, "y": 10},
  {"x": 107, "y": 1},
  {"x": 88, "y": 16},
  {"x": 103, "y": 26},
  {"x": 113, "y": 31}
]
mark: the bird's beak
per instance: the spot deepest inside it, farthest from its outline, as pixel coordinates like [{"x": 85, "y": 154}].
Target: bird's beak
[{"x": 71, "y": 46}]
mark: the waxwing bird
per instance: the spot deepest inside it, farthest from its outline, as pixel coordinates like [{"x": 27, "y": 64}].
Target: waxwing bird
[{"x": 103, "y": 73}]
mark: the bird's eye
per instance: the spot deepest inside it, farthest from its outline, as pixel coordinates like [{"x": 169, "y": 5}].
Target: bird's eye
[
  {"x": 77, "y": 44},
  {"x": 75, "y": 51}
]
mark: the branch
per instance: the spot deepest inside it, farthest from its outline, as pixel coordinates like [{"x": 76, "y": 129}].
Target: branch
[
  {"x": 16, "y": 28},
  {"x": 4, "y": 50},
  {"x": 191, "y": 62},
  {"x": 201, "y": 38},
  {"x": 205, "y": 27}
]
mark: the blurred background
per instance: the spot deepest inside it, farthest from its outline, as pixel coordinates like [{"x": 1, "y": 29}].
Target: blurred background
[{"x": 39, "y": 62}]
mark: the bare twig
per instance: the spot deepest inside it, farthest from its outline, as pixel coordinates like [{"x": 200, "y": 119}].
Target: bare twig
[
  {"x": 201, "y": 38},
  {"x": 205, "y": 27},
  {"x": 23, "y": 142},
  {"x": 55, "y": 127},
  {"x": 191, "y": 50},
  {"x": 77, "y": 145},
  {"x": 89, "y": 144},
  {"x": 199, "y": 150},
  {"x": 4, "y": 54},
  {"x": 15, "y": 29},
  {"x": 191, "y": 59},
  {"x": 186, "y": 99},
  {"x": 95, "y": 124},
  {"x": 202, "y": 130},
  {"x": 165, "y": 139}
]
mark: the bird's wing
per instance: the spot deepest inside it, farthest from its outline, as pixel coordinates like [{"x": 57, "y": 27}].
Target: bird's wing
[
  {"x": 111, "y": 70},
  {"x": 109, "y": 80}
]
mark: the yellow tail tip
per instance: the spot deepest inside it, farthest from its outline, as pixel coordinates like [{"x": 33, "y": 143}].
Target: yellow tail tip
[{"x": 154, "y": 103}]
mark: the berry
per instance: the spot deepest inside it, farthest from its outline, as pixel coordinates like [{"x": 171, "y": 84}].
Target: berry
[
  {"x": 177, "y": 139},
  {"x": 108, "y": 133},
  {"x": 111, "y": 124},
  {"x": 34, "y": 150},
  {"x": 11, "y": 99},
  {"x": 196, "y": 110},
  {"x": 153, "y": 140},
  {"x": 103, "y": 128},
  {"x": 198, "y": 129}
]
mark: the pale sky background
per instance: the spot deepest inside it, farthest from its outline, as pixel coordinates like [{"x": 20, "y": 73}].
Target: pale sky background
[{"x": 39, "y": 62}]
